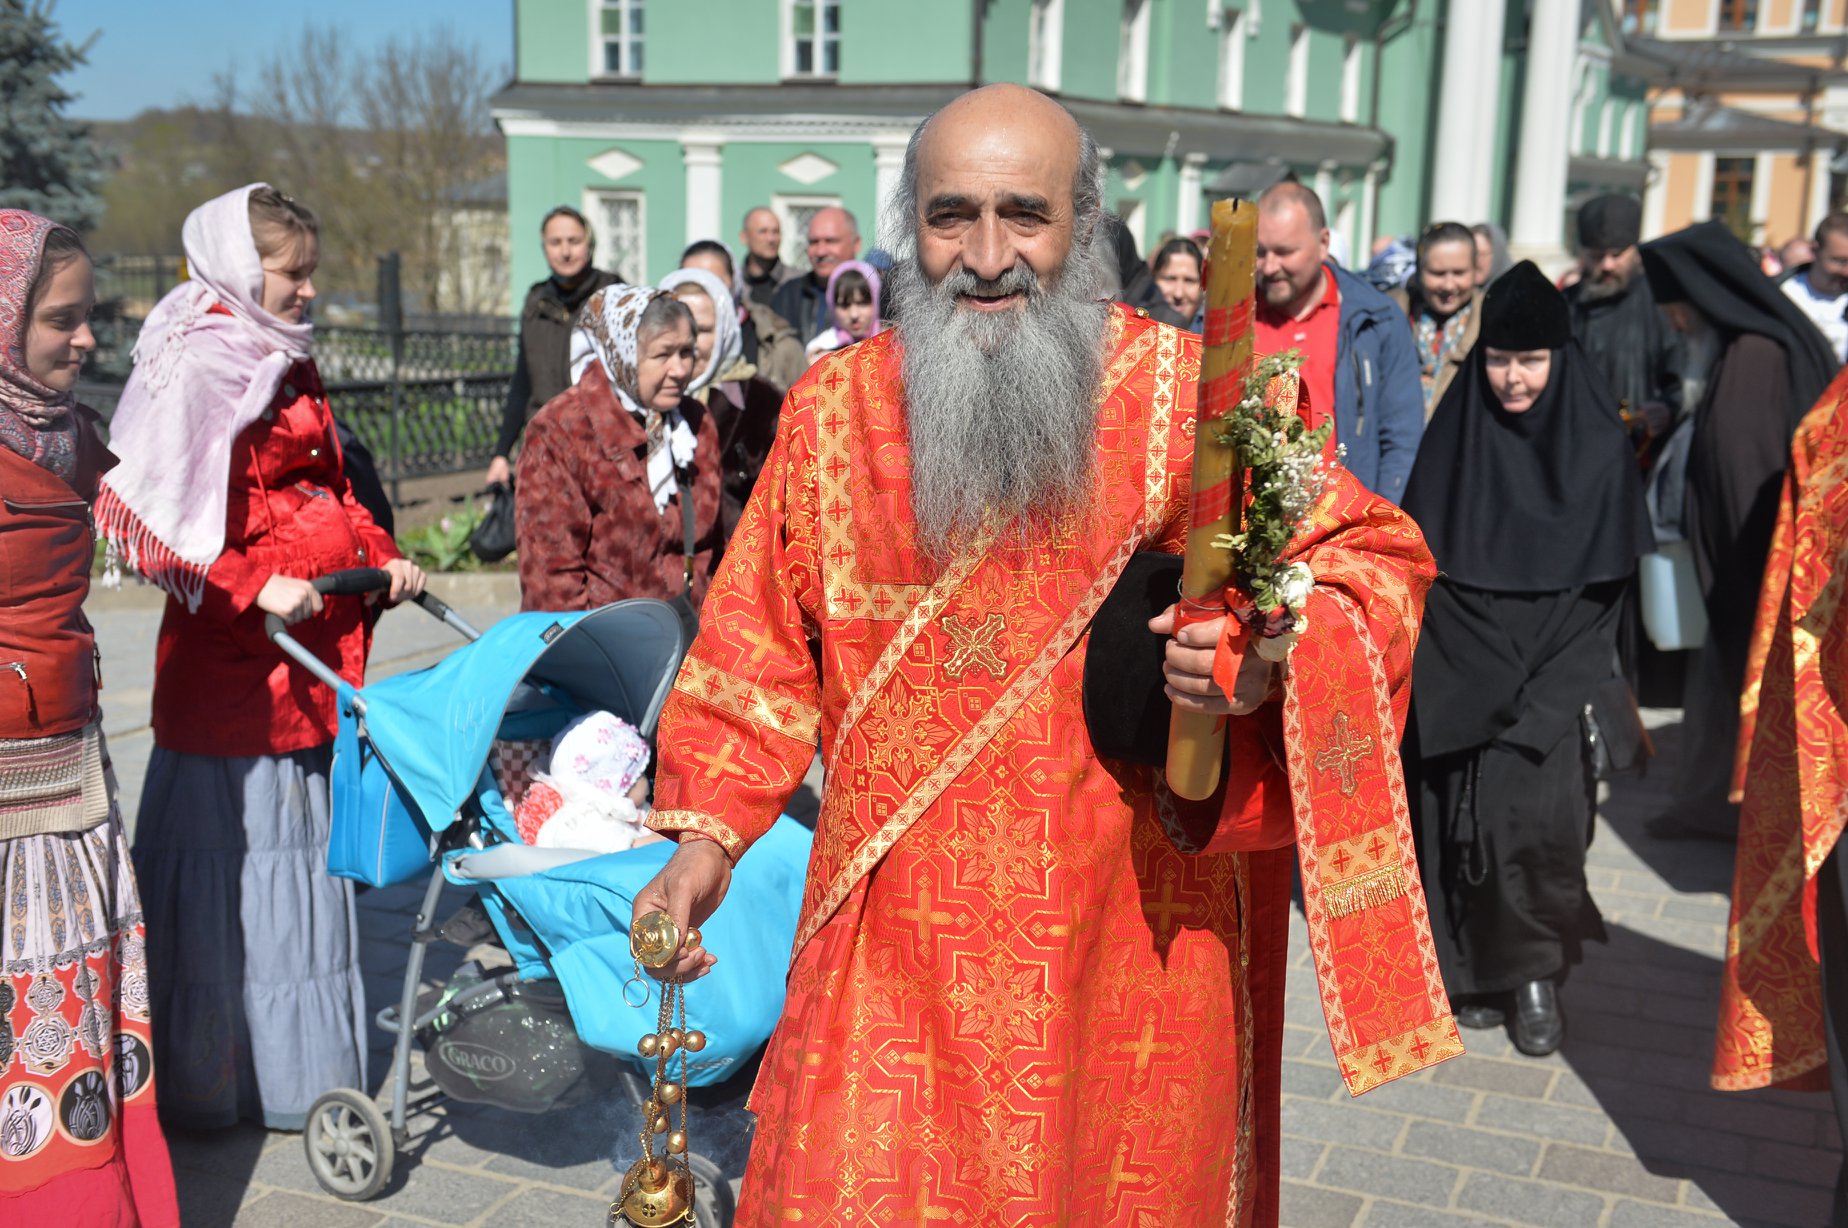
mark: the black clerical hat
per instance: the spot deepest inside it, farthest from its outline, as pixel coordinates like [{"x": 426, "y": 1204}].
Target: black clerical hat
[
  {"x": 1523, "y": 311},
  {"x": 1610, "y": 222}
]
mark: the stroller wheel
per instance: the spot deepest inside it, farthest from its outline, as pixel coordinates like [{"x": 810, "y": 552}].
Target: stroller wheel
[
  {"x": 348, "y": 1144},
  {"x": 713, "y": 1201}
]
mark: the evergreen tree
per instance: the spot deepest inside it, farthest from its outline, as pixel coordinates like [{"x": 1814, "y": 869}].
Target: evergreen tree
[{"x": 48, "y": 162}]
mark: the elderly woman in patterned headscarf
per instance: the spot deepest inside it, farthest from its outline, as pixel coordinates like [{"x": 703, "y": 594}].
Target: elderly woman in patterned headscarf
[
  {"x": 621, "y": 470},
  {"x": 79, "y": 1140}
]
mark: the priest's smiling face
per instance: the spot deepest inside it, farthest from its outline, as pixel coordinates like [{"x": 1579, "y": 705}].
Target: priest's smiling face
[
  {"x": 1001, "y": 314},
  {"x": 994, "y": 189}
]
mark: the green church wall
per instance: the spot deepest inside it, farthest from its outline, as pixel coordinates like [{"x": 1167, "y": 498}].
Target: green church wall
[
  {"x": 553, "y": 37},
  {"x": 904, "y": 41},
  {"x": 736, "y": 42}
]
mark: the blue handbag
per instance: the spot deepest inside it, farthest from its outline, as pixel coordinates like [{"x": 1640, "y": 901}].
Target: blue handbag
[{"x": 373, "y": 837}]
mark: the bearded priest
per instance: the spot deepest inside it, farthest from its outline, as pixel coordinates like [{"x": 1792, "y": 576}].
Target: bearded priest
[{"x": 1030, "y": 985}]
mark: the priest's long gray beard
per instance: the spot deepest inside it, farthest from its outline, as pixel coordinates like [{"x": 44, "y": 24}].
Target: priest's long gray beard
[{"x": 1001, "y": 409}]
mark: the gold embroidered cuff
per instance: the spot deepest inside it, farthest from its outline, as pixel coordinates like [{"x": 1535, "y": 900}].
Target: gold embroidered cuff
[
  {"x": 734, "y": 696},
  {"x": 698, "y": 823}
]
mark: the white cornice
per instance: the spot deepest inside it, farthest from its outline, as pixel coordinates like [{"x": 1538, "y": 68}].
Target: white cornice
[{"x": 757, "y": 128}]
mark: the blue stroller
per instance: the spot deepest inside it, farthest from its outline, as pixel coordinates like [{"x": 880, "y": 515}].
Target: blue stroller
[{"x": 413, "y": 783}]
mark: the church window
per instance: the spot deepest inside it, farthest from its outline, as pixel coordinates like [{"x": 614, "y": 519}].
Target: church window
[
  {"x": 619, "y": 38},
  {"x": 619, "y": 220},
  {"x": 1738, "y": 15},
  {"x": 1232, "y": 60},
  {"x": 1045, "y": 42},
  {"x": 1812, "y": 15},
  {"x": 1639, "y": 16},
  {"x": 814, "y": 37},
  {"x": 1732, "y": 194},
  {"x": 1133, "y": 55}
]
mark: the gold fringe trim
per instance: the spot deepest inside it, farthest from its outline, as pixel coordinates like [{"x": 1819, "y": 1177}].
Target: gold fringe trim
[{"x": 1369, "y": 890}]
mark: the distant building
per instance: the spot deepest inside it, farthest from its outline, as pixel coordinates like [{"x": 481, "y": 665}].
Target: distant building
[
  {"x": 664, "y": 120},
  {"x": 1749, "y": 120}
]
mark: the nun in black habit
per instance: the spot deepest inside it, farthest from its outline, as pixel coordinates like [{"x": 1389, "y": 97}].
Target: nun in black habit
[
  {"x": 1528, "y": 494},
  {"x": 1768, "y": 367}
]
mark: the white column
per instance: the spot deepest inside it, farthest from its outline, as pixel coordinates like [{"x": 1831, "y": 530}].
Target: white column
[
  {"x": 704, "y": 156},
  {"x": 1819, "y": 190},
  {"x": 1538, "y": 229},
  {"x": 1655, "y": 195},
  {"x": 1469, "y": 99},
  {"x": 888, "y": 166},
  {"x": 1187, "y": 209},
  {"x": 1369, "y": 213}
]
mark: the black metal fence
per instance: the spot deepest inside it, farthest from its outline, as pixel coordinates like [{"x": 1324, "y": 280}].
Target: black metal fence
[
  {"x": 426, "y": 401},
  {"x": 428, "y": 406}
]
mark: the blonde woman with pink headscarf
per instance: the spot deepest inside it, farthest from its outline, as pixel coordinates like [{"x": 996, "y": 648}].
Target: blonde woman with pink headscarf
[{"x": 232, "y": 498}]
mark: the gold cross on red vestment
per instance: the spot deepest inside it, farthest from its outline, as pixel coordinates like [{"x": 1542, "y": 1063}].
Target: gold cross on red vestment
[
  {"x": 975, "y": 648},
  {"x": 1343, "y": 751}
]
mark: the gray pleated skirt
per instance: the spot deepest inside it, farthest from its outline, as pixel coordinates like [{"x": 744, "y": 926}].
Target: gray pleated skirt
[{"x": 253, "y": 949}]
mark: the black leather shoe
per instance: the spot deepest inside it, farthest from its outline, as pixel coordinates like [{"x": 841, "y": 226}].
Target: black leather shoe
[
  {"x": 1539, "y": 1025},
  {"x": 1478, "y": 1013}
]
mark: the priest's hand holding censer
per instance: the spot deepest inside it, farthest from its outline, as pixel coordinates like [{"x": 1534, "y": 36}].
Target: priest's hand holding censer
[{"x": 657, "y": 1192}]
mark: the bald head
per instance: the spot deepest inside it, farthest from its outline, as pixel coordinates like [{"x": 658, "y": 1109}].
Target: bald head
[
  {"x": 1001, "y": 177},
  {"x": 1281, "y": 197},
  {"x": 833, "y": 236},
  {"x": 762, "y": 236},
  {"x": 1292, "y": 246}
]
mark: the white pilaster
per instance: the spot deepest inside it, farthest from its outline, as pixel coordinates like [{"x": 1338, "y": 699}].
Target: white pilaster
[
  {"x": 1369, "y": 213},
  {"x": 1187, "y": 209},
  {"x": 888, "y": 167},
  {"x": 1819, "y": 190},
  {"x": 704, "y": 155},
  {"x": 1538, "y": 229},
  {"x": 1468, "y": 92},
  {"x": 1655, "y": 196}
]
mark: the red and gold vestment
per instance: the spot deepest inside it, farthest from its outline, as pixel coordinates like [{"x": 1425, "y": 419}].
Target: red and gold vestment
[
  {"x": 1792, "y": 772},
  {"x": 1014, "y": 998}
]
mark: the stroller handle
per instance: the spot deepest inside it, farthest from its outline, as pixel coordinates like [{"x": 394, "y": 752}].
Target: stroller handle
[{"x": 353, "y": 582}]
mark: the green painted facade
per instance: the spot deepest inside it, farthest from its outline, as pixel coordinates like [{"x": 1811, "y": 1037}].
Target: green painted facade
[{"x": 714, "y": 79}]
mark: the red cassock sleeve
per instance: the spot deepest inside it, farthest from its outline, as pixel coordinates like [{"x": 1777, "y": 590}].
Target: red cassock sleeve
[{"x": 742, "y": 726}]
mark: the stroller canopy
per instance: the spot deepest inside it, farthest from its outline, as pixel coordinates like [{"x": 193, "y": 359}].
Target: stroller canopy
[{"x": 435, "y": 726}]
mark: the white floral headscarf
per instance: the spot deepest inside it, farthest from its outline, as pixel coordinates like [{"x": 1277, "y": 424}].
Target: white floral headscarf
[{"x": 609, "y": 327}]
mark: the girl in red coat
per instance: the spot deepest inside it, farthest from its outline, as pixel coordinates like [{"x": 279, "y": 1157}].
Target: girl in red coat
[
  {"x": 79, "y": 1140},
  {"x": 230, "y": 496}
]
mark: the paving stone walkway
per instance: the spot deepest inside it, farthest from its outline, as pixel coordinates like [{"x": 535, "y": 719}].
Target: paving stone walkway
[{"x": 1618, "y": 1130}]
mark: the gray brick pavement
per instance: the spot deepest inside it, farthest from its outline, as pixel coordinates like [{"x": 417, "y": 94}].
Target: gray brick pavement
[{"x": 1618, "y": 1130}]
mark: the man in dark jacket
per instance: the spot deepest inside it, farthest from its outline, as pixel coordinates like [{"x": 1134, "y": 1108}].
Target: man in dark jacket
[
  {"x": 1614, "y": 316},
  {"x": 833, "y": 236},
  {"x": 1356, "y": 345}
]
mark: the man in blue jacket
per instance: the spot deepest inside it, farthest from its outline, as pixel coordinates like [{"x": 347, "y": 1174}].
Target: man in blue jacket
[{"x": 1357, "y": 346}]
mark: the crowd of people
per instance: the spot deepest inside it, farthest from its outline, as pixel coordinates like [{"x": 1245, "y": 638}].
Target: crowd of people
[{"x": 1535, "y": 437}]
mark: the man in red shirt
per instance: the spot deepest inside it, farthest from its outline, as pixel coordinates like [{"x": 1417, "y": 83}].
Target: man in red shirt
[{"x": 1358, "y": 361}]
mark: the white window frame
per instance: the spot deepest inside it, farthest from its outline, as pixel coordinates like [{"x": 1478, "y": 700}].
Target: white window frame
[
  {"x": 1133, "y": 55},
  {"x": 1045, "y": 43},
  {"x": 1607, "y": 114},
  {"x": 1232, "y": 39},
  {"x": 795, "y": 237},
  {"x": 599, "y": 70},
  {"x": 1296, "y": 76},
  {"x": 594, "y": 200},
  {"x": 1350, "y": 79},
  {"x": 788, "y": 40}
]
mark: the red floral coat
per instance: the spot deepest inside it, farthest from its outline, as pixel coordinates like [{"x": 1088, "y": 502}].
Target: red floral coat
[
  {"x": 220, "y": 686},
  {"x": 586, "y": 525}
]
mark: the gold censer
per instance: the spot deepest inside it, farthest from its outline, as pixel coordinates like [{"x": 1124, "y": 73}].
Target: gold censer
[{"x": 657, "y": 1192}]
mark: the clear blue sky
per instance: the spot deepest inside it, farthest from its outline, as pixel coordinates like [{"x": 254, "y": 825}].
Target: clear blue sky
[{"x": 159, "y": 53}]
